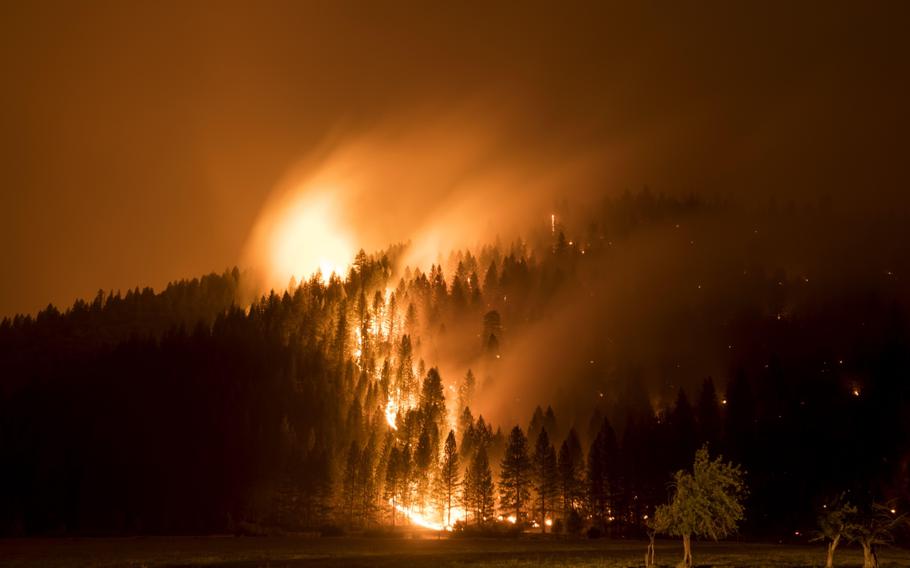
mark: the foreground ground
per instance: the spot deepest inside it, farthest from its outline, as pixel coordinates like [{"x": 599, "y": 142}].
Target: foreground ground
[{"x": 404, "y": 551}]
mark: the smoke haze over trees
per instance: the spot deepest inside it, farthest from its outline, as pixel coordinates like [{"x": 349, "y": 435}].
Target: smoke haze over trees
[{"x": 630, "y": 333}]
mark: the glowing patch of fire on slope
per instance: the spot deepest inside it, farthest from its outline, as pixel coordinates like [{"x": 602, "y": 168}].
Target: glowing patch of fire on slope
[
  {"x": 422, "y": 521},
  {"x": 391, "y": 414}
]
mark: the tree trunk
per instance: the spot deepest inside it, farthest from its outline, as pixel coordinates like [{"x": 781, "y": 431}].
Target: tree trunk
[
  {"x": 870, "y": 558},
  {"x": 687, "y": 551},
  {"x": 649, "y": 555},
  {"x": 832, "y": 546}
]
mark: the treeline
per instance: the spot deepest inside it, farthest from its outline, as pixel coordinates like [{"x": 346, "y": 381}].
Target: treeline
[{"x": 320, "y": 406}]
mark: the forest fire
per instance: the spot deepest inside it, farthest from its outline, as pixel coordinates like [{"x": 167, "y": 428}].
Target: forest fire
[
  {"x": 421, "y": 520},
  {"x": 416, "y": 518},
  {"x": 515, "y": 272},
  {"x": 300, "y": 232},
  {"x": 391, "y": 414}
]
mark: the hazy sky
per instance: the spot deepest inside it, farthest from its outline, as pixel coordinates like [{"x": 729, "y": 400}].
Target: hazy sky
[{"x": 141, "y": 139}]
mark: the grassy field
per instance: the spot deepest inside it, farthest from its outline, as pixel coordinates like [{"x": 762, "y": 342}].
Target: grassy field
[{"x": 417, "y": 551}]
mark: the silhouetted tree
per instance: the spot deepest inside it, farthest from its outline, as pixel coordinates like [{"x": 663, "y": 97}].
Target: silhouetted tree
[
  {"x": 449, "y": 477},
  {"x": 515, "y": 475},
  {"x": 571, "y": 474},
  {"x": 546, "y": 477},
  {"x": 479, "y": 488}
]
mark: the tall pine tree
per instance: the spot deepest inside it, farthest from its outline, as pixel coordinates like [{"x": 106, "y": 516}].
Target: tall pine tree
[
  {"x": 449, "y": 478},
  {"x": 546, "y": 478},
  {"x": 515, "y": 476}
]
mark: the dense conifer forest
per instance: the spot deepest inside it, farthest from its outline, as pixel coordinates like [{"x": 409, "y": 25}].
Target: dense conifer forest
[{"x": 357, "y": 402}]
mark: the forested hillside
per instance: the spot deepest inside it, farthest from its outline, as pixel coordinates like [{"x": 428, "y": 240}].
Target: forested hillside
[{"x": 390, "y": 395}]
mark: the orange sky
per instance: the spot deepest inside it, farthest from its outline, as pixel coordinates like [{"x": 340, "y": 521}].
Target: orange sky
[{"x": 140, "y": 140}]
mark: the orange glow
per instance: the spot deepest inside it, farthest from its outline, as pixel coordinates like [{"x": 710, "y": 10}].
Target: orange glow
[
  {"x": 305, "y": 237},
  {"x": 457, "y": 514},
  {"x": 417, "y": 518},
  {"x": 301, "y": 231},
  {"x": 391, "y": 414}
]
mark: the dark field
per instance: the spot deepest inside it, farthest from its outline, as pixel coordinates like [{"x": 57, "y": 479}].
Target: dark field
[{"x": 406, "y": 552}]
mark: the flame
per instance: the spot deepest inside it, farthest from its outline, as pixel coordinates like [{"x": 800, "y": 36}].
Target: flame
[
  {"x": 358, "y": 351},
  {"x": 458, "y": 514},
  {"x": 391, "y": 414},
  {"x": 417, "y": 518},
  {"x": 299, "y": 233}
]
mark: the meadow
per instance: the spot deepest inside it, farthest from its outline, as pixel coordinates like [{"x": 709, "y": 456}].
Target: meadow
[{"x": 411, "y": 551}]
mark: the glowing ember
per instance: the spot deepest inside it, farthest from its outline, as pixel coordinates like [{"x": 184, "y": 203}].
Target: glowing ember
[
  {"x": 512, "y": 519},
  {"x": 548, "y": 522}
]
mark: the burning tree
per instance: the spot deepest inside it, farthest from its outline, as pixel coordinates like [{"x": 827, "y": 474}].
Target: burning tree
[
  {"x": 466, "y": 392},
  {"x": 515, "y": 475},
  {"x": 873, "y": 528},
  {"x": 706, "y": 502},
  {"x": 433, "y": 401},
  {"x": 833, "y": 524}
]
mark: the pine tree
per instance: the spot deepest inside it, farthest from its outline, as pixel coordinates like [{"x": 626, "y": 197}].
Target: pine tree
[
  {"x": 449, "y": 478},
  {"x": 682, "y": 430},
  {"x": 570, "y": 482},
  {"x": 536, "y": 424},
  {"x": 367, "y": 481},
  {"x": 546, "y": 477},
  {"x": 601, "y": 473},
  {"x": 432, "y": 400},
  {"x": 549, "y": 422},
  {"x": 406, "y": 382},
  {"x": 350, "y": 483},
  {"x": 515, "y": 475},
  {"x": 479, "y": 488},
  {"x": 466, "y": 429},
  {"x": 424, "y": 457},
  {"x": 466, "y": 391},
  {"x": 392, "y": 481}
]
